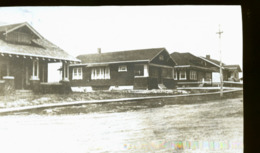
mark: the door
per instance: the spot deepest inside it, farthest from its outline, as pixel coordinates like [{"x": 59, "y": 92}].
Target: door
[{"x": 17, "y": 69}]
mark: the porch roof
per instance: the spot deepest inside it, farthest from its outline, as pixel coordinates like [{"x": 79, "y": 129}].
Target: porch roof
[{"x": 194, "y": 67}]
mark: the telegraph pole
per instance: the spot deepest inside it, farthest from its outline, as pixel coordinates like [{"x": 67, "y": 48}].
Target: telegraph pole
[{"x": 220, "y": 70}]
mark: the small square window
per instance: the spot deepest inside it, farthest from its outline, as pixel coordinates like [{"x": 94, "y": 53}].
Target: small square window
[
  {"x": 122, "y": 68},
  {"x": 161, "y": 57}
]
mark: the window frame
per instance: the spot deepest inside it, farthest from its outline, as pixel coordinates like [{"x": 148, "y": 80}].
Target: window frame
[
  {"x": 75, "y": 74},
  {"x": 180, "y": 73},
  {"x": 161, "y": 57},
  {"x": 122, "y": 68},
  {"x": 193, "y": 75},
  {"x": 100, "y": 73}
]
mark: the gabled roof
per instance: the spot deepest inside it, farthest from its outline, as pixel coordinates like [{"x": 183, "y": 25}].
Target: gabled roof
[
  {"x": 42, "y": 48},
  {"x": 11, "y": 27},
  {"x": 233, "y": 67},
  {"x": 212, "y": 61},
  {"x": 217, "y": 64},
  {"x": 4, "y": 28},
  {"x": 188, "y": 60},
  {"x": 185, "y": 58},
  {"x": 140, "y": 55}
]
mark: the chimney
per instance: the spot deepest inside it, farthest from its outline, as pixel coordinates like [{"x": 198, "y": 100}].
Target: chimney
[
  {"x": 207, "y": 56},
  {"x": 99, "y": 50}
]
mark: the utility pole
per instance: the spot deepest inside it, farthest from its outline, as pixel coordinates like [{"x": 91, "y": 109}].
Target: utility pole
[{"x": 220, "y": 69}]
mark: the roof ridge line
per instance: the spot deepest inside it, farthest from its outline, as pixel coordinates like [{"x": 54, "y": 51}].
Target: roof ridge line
[
  {"x": 8, "y": 24},
  {"x": 121, "y": 51}
]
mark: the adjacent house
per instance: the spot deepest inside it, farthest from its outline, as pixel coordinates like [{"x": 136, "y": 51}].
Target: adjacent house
[
  {"x": 191, "y": 70},
  {"x": 230, "y": 72},
  {"x": 25, "y": 54},
  {"x": 133, "y": 69}
]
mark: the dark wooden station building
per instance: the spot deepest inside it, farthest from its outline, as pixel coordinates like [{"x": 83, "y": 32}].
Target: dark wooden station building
[
  {"x": 192, "y": 70},
  {"x": 133, "y": 69},
  {"x": 230, "y": 72}
]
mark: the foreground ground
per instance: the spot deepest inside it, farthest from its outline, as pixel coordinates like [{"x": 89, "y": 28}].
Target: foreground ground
[
  {"x": 30, "y": 99},
  {"x": 207, "y": 127}
]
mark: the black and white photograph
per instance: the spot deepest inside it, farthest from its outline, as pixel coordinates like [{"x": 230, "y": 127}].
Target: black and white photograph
[{"x": 161, "y": 78}]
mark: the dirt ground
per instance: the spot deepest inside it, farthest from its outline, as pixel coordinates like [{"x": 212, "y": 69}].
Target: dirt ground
[{"x": 30, "y": 99}]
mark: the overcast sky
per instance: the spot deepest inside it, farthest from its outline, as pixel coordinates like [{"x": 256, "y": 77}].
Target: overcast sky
[{"x": 81, "y": 30}]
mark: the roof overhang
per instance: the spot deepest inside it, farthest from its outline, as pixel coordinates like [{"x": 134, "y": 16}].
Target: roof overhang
[
  {"x": 233, "y": 69},
  {"x": 163, "y": 66},
  {"x": 193, "y": 67},
  {"x": 108, "y": 63},
  {"x": 210, "y": 62},
  {"x": 38, "y": 56}
]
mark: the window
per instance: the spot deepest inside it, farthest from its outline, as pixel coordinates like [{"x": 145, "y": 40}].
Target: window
[
  {"x": 100, "y": 73},
  {"x": 182, "y": 75},
  {"x": 139, "y": 70},
  {"x": 122, "y": 68},
  {"x": 193, "y": 75},
  {"x": 208, "y": 76},
  {"x": 175, "y": 75},
  {"x": 77, "y": 74},
  {"x": 161, "y": 57},
  {"x": 35, "y": 70}
]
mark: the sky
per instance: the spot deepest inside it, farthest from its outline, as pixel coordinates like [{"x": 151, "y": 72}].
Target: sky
[{"x": 81, "y": 30}]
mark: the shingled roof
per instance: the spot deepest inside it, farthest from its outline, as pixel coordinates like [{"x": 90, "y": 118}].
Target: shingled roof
[
  {"x": 213, "y": 61},
  {"x": 5, "y": 28},
  {"x": 41, "y": 48},
  {"x": 185, "y": 58},
  {"x": 217, "y": 63},
  {"x": 121, "y": 56},
  {"x": 233, "y": 67},
  {"x": 188, "y": 60}
]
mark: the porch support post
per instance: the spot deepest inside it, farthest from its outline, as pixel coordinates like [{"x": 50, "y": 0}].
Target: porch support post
[
  {"x": 33, "y": 69},
  {"x": 65, "y": 71},
  {"x": 66, "y": 88},
  {"x": 35, "y": 66},
  {"x": 68, "y": 71},
  {"x": 38, "y": 63},
  {"x": 146, "y": 71},
  {"x": 172, "y": 73},
  {"x": 8, "y": 69}
]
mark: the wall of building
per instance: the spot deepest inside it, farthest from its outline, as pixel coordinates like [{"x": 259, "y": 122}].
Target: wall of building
[
  {"x": 166, "y": 59},
  {"x": 116, "y": 78},
  {"x": 21, "y": 69}
]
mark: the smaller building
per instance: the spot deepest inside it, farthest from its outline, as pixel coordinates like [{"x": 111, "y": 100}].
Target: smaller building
[
  {"x": 230, "y": 72},
  {"x": 134, "y": 69},
  {"x": 191, "y": 70}
]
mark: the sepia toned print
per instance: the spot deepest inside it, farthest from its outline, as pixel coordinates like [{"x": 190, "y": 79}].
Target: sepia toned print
[{"x": 121, "y": 79}]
